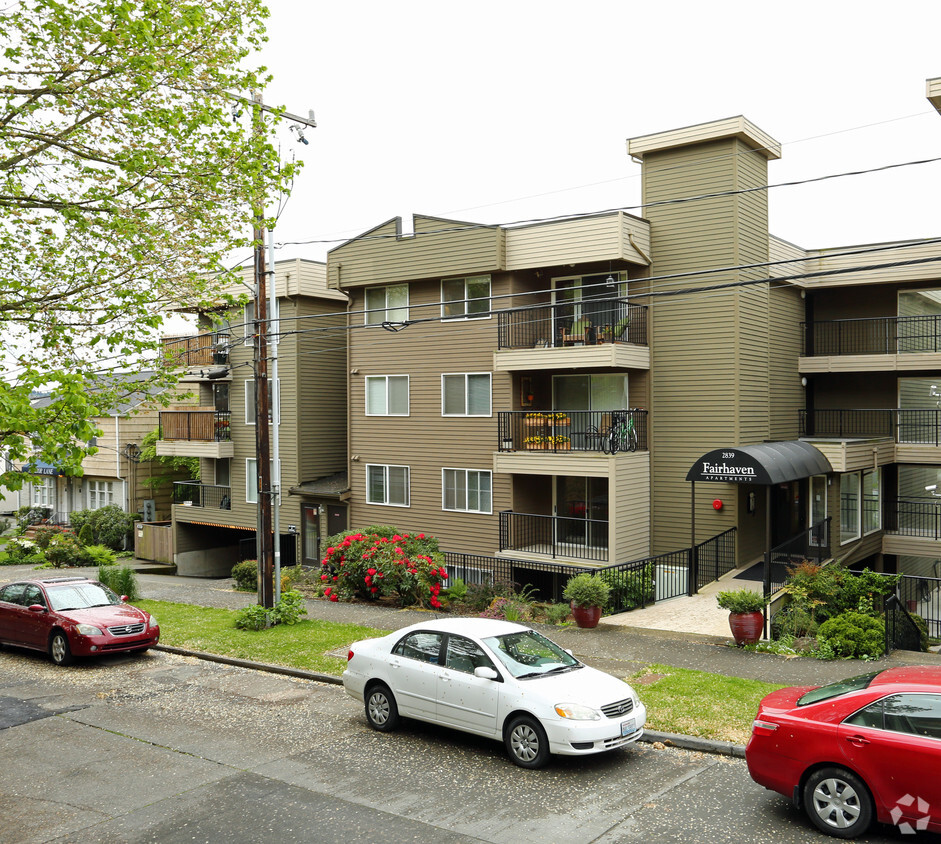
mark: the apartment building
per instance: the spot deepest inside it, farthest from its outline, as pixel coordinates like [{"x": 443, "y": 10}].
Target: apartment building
[
  {"x": 214, "y": 520},
  {"x": 549, "y": 392}
]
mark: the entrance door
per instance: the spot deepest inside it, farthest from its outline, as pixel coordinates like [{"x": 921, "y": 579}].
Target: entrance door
[
  {"x": 788, "y": 514},
  {"x": 310, "y": 529}
]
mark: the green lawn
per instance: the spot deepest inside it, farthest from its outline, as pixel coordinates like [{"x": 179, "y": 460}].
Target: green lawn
[
  {"x": 304, "y": 645},
  {"x": 678, "y": 700}
]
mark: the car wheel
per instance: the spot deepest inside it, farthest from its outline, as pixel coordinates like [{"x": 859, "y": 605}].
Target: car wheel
[
  {"x": 838, "y": 802},
  {"x": 381, "y": 710},
  {"x": 526, "y": 742},
  {"x": 59, "y": 651}
]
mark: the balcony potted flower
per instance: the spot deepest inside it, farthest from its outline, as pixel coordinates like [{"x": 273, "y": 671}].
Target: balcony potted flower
[
  {"x": 535, "y": 442},
  {"x": 560, "y": 420},
  {"x": 746, "y": 614},
  {"x": 560, "y": 443},
  {"x": 588, "y": 595}
]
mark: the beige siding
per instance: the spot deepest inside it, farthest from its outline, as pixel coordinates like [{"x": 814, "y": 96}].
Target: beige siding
[
  {"x": 629, "y": 508},
  {"x": 787, "y": 397},
  {"x": 440, "y": 248},
  {"x": 823, "y": 261}
]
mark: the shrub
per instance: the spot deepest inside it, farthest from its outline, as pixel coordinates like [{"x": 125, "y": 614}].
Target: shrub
[
  {"x": 288, "y": 610},
  {"x": 120, "y": 579},
  {"x": 853, "y": 635},
  {"x": 632, "y": 587},
  {"x": 587, "y": 590},
  {"x": 27, "y": 516},
  {"x": 22, "y": 551},
  {"x": 43, "y": 535},
  {"x": 480, "y": 595},
  {"x": 85, "y": 535},
  {"x": 254, "y": 617},
  {"x": 109, "y": 525},
  {"x": 98, "y": 555},
  {"x": 457, "y": 590},
  {"x": 741, "y": 600},
  {"x": 557, "y": 613},
  {"x": 245, "y": 574},
  {"x": 63, "y": 550}
]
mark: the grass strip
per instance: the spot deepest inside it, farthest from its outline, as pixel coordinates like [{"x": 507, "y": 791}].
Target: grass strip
[
  {"x": 305, "y": 645},
  {"x": 697, "y": 703}
]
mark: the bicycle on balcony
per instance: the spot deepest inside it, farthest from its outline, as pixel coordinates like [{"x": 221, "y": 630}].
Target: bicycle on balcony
[{"x": 620, "y": 435}]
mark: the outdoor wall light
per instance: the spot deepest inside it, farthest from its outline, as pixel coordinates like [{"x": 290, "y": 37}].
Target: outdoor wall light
[{"x": 803, "y": 382}]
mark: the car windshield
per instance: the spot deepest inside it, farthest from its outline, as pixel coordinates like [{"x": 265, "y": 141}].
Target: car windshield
[
  {"x": 77, "y": 596},
  {"x": 529, "y": 654},
  {"x": 853, "y": 684}
]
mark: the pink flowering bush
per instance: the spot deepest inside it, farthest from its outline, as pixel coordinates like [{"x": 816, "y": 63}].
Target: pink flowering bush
[{"x": 380, "y": 562}]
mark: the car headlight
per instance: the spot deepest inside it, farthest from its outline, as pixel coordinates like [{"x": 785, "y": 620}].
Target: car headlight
[
  {"x": 88, "y": 629},
  {"x": 152, "y": 623},
  {"x": 577, "y": 712}
]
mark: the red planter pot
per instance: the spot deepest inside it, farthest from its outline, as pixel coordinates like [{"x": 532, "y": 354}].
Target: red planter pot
[
  {"x": 746, "y": 627},
  {"x": 586, "y": 616}
]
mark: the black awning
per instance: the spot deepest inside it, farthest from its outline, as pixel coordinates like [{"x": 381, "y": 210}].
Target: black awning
[{"x": 763, "y": 464}]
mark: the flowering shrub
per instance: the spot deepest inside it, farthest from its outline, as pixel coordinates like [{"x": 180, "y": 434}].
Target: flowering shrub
[
  {"x": 21, "y": 550},
  {"x": 382, "y": 562},
  {"x": 64, "y": 550}
]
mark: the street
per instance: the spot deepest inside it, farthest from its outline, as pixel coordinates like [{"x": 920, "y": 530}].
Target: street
[{"x": 166, "y": 748}]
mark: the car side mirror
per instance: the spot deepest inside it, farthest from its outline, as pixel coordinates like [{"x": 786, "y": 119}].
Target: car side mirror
[
  {"x": 36, "y": 608},
  {"x": 124, "y": 599},
  {"x": 486, "y": 672}
]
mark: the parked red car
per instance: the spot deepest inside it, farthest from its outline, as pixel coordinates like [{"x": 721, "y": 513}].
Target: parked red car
[
  {"x": 72, "y": 616},
  {"x": 867, "y": 748}
]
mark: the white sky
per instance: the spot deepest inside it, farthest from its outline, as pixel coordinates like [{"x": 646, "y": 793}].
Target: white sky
[{"x": 494, "y": 111}]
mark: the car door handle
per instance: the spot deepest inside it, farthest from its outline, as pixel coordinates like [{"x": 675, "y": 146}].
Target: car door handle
[{"x": 857, "y": 741}]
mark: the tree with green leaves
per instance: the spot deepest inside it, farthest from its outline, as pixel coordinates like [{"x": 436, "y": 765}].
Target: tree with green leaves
[{"x": 130, "y": 167}]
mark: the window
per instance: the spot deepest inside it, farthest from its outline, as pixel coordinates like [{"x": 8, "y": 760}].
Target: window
[
  {"x": 423, "y": 646},
  {"x": 223, "y": 473},
  {"x": 849, "y": 507},
  {"x": 466, "y": 394},
  {"x": 467, "y": 298},
  {"x": 44, "y": 492},
  {"x": 464, "y": 655},
  {"x": 100, "y": 494},
  {"x": 818, "y": 510},
  {"x": 248, "y": 323},
  {"x": 386, "y": 304},
  {"x": 466, "y": 490},
  {"x": 916, "y": 714},
  {"x": 872, "y": 511},
  {"x": 387, "y": 485},
  {"x": 273, "y": 401},
  {"x": 387, "y": 395},
  {"x": 251, "y": 480}
]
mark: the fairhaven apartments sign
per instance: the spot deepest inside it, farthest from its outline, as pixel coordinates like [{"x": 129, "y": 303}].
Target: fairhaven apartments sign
[{"x": 728, "y": 464}]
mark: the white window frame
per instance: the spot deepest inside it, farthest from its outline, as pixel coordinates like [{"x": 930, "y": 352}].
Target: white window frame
[
  {"x": 466, "y": 298},
  {"x": 862, "y": 495},
  {"x": 466, "y": 376},
  {"x": 44, "y": 492},
  {"x": 274, "y": 398},
  {"x": 376, "y": 315},
  {"x": 251, "y": 479},
  {"x": 386, "y": 395},
  {"x": 248, "y": 323},
  {"x": 100, "y": 494},
  {"x": 467, "y": 473},
  {"x": 859, "y": 513},
  {"x": 370, "y": 467}
]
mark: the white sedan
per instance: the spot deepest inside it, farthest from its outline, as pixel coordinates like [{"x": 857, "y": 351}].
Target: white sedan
[{"x": 495, "y": 679}]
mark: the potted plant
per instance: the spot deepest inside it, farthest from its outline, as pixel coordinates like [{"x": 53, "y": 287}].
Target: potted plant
[
  {"x": 746, "y": 614},
  {"x": 587, "y": 594}
]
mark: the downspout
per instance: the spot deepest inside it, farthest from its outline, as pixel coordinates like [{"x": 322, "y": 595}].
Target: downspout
[{"x": 117, "y": 458}]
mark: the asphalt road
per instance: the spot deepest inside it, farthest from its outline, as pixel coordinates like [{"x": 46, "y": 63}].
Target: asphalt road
[{"x": 165, "y": 748}]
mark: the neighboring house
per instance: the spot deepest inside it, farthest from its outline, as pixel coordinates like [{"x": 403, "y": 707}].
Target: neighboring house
[
  {"x": 115, "y": 473},
  {"x": 831, "y": 383},
  {"x": 214, "y": 521}
]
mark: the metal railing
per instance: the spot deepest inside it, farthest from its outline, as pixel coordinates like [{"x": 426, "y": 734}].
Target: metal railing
[
  {"x": 922, "y": 597},
  {"x": 872, "y": 336},
  {"x": 572, "y": 537},
  {"x": 901, "y": 632},
  {"x": 197, "y": 349},
  {"x": 811, "y": 544},
  {"x": 715, "y": 557},
  {"x": 585, "y": 323},
  {"x": 914, "y": 517},
  {"x": 920, "y": 426},
  {"x": 571, "y": 430},
  {"x": 196, "y": 425},
  {"x": 195, "y": 494}
]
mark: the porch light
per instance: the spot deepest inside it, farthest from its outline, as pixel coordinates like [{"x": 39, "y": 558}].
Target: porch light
[{"x": 609, "y": 281}]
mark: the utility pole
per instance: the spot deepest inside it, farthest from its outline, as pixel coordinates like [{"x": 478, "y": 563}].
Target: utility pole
[{"x": 266, "y": 542}]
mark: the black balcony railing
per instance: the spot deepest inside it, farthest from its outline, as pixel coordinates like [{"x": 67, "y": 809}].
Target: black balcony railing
[
  {"x": 195, "y": 425},
  {"x": 914, "y": 517},
  {"x": 608, "y": 431},
  {"x": 554, "y": 536},
  {"x": 907, "y": 426},
  {"x": 878, "y": 336},
  {"x": 585, "y": 323},
  {"x": 195, "y": 494}
]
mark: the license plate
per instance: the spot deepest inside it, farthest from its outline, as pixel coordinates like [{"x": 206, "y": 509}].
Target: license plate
[{"x": 627, "y": 727}]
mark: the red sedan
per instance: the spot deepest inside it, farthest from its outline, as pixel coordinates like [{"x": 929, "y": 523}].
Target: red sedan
[
  {"x": 72, "y": 616},
  {"x": 864, "y": 749}
]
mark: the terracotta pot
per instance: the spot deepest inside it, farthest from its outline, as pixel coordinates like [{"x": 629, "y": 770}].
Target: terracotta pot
[
  {"x": 746, "y": 627},
  {"x": 586, "y": 616}
]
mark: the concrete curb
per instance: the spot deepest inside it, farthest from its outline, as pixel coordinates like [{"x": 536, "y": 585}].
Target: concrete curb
[{"x": 723, "y": 748}]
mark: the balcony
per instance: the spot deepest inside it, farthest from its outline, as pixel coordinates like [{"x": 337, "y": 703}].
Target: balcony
[
  {"x": 593, "y": 332},
  {"x": 606, "y": 432},
  {"x": 555, "y": 537},
  {"x": 905, "y": 426},
  {"x": 200, "y": 350},
  {"x": 197, "y": 432},
  {"x": 195, "y": 494},
  {"x": 880, "y": 344},
  {"x": 912, "y": 527}
]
